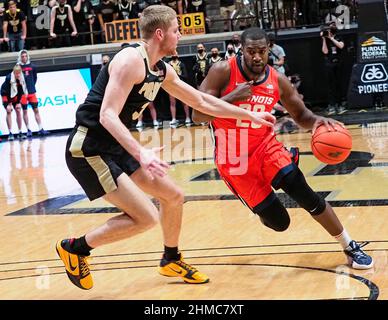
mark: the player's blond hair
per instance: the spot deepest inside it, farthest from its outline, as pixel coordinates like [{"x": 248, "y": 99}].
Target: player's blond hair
[
  {"x": 17, "y": 68},
  {"x": 155, "y": 17}
]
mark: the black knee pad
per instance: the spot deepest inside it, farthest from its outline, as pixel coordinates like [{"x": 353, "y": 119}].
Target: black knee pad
[
  {"x": 34, "y": 105},
  {"x": 274, "y": 215},
  {"x": 295, "y": 185}
]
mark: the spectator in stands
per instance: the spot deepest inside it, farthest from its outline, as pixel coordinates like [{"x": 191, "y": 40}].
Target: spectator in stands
[
  {"x": 12, "y": 91},
  {"x": 30, "y": 78},
  {"x": 61, "y": 23},
  {"x": 194, "y": 6},
  {"x": 14, "y": 27},
  {"x": 105, "y": 59},
  {"x": 3, "y": 45},
  {"x": 177, "y": 5},
  {"x": 236, "y": 44},
  {"x": 226, "y": 9},
  {"x": 154, "y": 117},
  {"x": 83, "y": 15},
  {"x": 181, "y": 71},
  {"x": 145, "y": 3},
  {"x": 37, "y": 32},
  {"x": 128, "y": 9},
  {"x": 214, "y": 57},
  {"x": 107, "y": 11},
  {"x": 200, "y": 65},
  {"x": 276, "y": 56},
  {"x": 229, "y": 51},
  {"x": 332, "y": 46}
]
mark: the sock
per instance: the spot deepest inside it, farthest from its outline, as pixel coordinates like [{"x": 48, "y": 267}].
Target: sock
[
  {"x": 171, "y": 253},
  {"x": 40, "y": 127},
  {"x": 343, "y": 238},
  {"x": 80, "y": 246}
]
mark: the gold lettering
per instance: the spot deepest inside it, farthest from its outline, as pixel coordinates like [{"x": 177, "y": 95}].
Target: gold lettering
[
  {"x": 136, "y": 114},
  {"x": 150, "y": 90}
]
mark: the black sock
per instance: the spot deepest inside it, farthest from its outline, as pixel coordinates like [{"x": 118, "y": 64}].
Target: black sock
[
  {"x": 171, "y": 253},
  {"x": 80, "y": 246}
]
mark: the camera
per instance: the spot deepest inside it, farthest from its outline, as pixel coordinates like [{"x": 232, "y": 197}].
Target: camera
[
  {"x": 325, "y": 31},
  {"x": 271, "y": 60}
]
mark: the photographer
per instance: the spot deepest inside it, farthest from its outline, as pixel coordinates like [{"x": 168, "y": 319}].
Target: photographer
[
  {"x": 276, "y": 57},
  {"x": 332, "y": 46}
]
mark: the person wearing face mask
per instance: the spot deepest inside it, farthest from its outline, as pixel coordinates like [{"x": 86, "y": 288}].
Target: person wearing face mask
[
  {"x": 229, "y": 52},
  {"x": 105, "y": 59},
  {"x": 180, "y": 70},
  {"x": 214, "y": 57},
  {"x": 200, "y": 65},
  {"x": 332, "y": 46},
  {"x": 236, "y": 44}
]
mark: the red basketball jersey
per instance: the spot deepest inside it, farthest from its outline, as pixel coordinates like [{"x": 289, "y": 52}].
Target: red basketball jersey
[{"x": 244, "y": 136}]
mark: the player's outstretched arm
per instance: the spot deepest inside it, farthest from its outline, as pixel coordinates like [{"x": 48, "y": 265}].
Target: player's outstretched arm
[
  {"x": 295, "y": 106},
  {"x": 208, "y": 104}
]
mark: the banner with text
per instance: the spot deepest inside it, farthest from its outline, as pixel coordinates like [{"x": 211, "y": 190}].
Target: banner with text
[
  {"x": 59, "y": 94},
  {"x": 128, "y": 30}
]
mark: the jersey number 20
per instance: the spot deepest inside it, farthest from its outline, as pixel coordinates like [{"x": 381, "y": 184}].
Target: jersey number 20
[{"x": 247, "y": 123}]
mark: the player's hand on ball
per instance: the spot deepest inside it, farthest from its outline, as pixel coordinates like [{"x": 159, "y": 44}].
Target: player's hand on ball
[
  {"x": 263, "y": 118},
  {"x": 329, "y": 123}
]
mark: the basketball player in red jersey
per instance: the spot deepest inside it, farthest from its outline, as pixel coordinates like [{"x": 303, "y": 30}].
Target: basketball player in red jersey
[{"x": 259, "y": 162}]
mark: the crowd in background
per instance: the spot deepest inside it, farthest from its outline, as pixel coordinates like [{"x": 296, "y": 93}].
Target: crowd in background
[{"x": 37, "y": 24}]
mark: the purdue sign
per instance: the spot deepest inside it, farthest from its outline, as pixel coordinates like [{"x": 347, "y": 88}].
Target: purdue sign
[
  {"x": 368, "y": 85},
  {"x": 373, "y": 48}
]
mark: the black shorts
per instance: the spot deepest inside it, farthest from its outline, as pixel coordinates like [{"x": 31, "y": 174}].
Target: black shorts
[{"x": 97, "y": 165}]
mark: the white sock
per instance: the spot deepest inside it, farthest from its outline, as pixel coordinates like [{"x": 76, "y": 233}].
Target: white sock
[
  {"x": 40, "y": 127},
  {"x": 343, "y": 238}
]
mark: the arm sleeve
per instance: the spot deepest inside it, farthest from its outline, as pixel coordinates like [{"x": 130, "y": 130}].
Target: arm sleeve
[{"x": 35, "y": 74}]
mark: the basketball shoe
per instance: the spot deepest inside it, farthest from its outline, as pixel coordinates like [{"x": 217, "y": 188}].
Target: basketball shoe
[
  {"x": 77, "y": 268},
  {"x": 179, "y": 268},
  {"x": 357, "y": 258}
]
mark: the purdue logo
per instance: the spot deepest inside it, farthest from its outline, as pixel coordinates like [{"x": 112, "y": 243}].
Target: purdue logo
[{"x": 150, "y": 89}]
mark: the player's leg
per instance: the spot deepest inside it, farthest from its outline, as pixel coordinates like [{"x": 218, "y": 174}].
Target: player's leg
[
  {"x": 272, "y": 213},
  {"x": 9, "y": 109},
  {"x": 139, "y": 123},
  {"x": 295, "y": 185},
  {"x": 153, "y": 113},
  {"x": 24, "y": 104},
  {"x": 171, "y": 200},
  {"x": 139, "y": 214},
  {"x": 103, "y": 175},
  {"x": 187, "y": 113},
  {"x": 18, "y": 110},
  {"x": 173, "y": 121},
  {"x": 33, "y": 100}
]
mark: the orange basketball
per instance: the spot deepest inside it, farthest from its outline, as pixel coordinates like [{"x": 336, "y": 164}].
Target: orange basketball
[{"x": 331, "y": 147}]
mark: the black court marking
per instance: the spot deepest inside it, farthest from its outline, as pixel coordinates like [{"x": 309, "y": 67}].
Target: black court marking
[
  {"x": 209, "y": 249},
  {"x": 54, "y": 206},
  {"x": 357, "y": 159},
  {"x": 373, "y": 288},
  {"x": 193, "y": 257}
]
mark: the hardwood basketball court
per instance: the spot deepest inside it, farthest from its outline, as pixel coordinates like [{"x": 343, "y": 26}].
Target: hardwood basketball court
[{"x": 41, "y": 203}]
